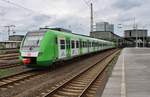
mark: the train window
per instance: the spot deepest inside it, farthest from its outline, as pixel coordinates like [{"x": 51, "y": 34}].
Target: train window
[
  {"x": 62, "y": 44},
  {"x": 80, "y": 44},
  {"x": 83, "y": 44},
  {"x": 100, "y": 44},
  {"x": 62, "y": 47},
  {"x": 92, "y": 44},
  {"x": 56, "y": 40},
  {"x": 32, "y": 41},
  {"x": 72, "y": 44},
  {"x": 97, "y": 44},
  {"x": 77, "y": 44},
  {"x": 68, "y": 43},
  {"x": 88, "y": 44}
]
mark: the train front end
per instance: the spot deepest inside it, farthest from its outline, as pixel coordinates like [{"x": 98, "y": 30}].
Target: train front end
[{"x": 30, "y": 48}]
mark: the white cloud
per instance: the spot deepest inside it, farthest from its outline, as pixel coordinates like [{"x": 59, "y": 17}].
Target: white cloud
[{"x": 72, "y": 14}]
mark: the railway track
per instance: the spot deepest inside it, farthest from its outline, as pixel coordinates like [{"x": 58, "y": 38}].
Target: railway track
[
  {"x": 5, "y": 66},
  {"x": 8, "y": 51},
  {"x": 9, "y": 56},
  {"x": 24, "y": 86},
  {"x": 83, "y": 84},
  {"x": 10, "y": 81},
  {"x": 9, "y": 60}
]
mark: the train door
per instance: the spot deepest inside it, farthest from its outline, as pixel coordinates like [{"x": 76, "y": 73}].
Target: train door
[
  {"x": 61, "y": 48},
  {"x": 85, "y": 47},
  {"x": 74, "y": 47}
]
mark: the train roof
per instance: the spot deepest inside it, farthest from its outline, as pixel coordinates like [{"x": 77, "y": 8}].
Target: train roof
[
  {"x": 64, "y": 32},
  {"x": 80, "y": 35}
]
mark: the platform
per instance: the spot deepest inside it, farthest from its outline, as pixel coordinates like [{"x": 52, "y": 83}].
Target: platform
[{"x": 131, "y": 74}]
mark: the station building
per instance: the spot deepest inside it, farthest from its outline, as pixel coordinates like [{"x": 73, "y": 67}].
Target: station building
[
  {"x": 139, "y": 36},
  {"x": 104, "y": 27},
  {"x": 13, "y": 42},
  {"x": 16, "y": 37},
  {"x": 120, "y": 41},
  {"x": 10, "y": 44},
  {"x": 105, "y": 31}
]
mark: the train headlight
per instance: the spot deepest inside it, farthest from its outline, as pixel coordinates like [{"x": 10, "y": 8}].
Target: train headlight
[{"x": 26, "y": 61}]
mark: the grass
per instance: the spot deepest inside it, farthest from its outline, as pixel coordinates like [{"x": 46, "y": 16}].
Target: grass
[{"x": 6, "y": 72}]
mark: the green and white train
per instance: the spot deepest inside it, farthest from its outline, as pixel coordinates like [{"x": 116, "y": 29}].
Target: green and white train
[{"x": 44, "y": 47}]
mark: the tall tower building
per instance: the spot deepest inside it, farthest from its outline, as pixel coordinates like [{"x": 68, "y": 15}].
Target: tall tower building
[{"x": 104, "y": 27}]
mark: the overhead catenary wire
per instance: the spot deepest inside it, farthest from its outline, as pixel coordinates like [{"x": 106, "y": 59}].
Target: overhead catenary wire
[
  {"x": 87, "y": 3},
  {"x": 17, "y": 5},
  {"x": 20, "y": 6}
]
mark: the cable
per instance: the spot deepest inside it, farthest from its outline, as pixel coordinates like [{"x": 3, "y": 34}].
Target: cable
[
  {"x": 12, "y": 3},
  {"x": 17, "y": 5},
  {"x": 87, "y": 3}
]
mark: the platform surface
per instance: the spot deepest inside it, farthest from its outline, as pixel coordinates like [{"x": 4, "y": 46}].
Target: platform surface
[{"x": 131, "y": 74}]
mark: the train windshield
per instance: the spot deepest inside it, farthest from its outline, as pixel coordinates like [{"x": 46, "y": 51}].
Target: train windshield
[{"x": 32, "y": 40}]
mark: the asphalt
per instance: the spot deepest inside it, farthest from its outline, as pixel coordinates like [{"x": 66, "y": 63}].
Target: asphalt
[{"x": 131, "y": 74}]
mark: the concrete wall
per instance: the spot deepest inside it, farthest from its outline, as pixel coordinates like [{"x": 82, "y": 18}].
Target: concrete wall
[
  {"x": 16, "y": 37},
  {"x": 105, "y": 35},
  {"x": 102, "y": 35},
  {"x": 104, "y": 26},
  {"x": 10, "y": 44},
  {"x": 111, "y": 37}
]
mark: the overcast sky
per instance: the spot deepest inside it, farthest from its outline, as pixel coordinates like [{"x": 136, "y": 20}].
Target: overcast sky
[{"x": 72, "y": 14}]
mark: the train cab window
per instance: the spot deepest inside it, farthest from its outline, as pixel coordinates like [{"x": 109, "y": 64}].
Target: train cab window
[
  {"x": 72, "y": 44},
  {"x": 77, "y": 44},
  {"x": 62, "y": 44}
]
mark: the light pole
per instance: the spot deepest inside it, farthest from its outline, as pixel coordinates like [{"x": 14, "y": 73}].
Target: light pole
[
  {"x": 119, "y": 27},
  {"x": 136, "y": 36},
  {"x": 91, "y": 5},
  {"x": 144, "y": 35},
  {"x": 9, "y": 29}
]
